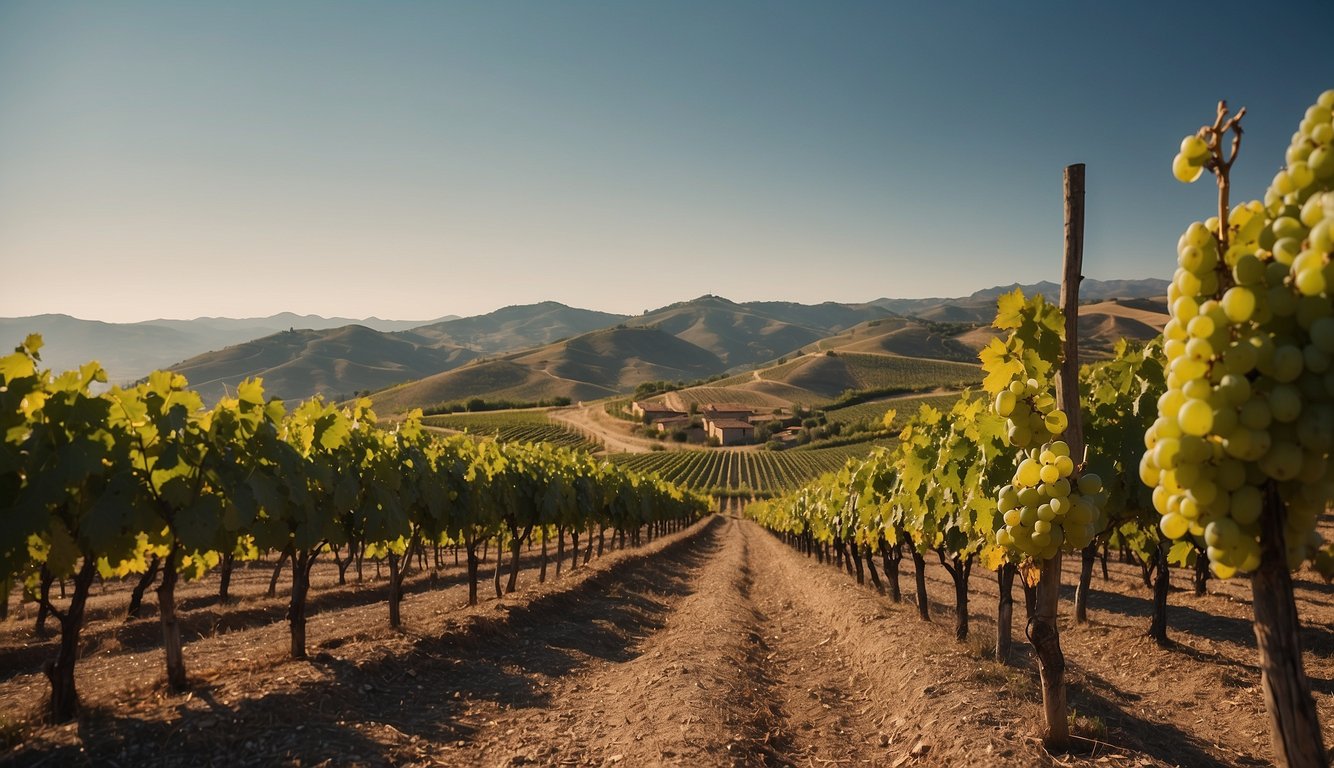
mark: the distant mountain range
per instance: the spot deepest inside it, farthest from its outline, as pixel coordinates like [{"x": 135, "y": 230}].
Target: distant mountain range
[
  {"x": 980, "y": 307},
  {"x": 545, "y": 350},
  {"x": 130, "y": 351}
]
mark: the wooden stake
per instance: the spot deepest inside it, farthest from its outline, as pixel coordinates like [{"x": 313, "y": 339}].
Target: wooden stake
[{"x": 1046, "y": 634}]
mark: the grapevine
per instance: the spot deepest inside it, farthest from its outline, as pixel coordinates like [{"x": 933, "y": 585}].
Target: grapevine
[{"x": 1238, "y": 456}]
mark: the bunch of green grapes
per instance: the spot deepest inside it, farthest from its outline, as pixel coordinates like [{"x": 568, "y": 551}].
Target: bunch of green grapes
[
  {"x": 1249, "y": 406},
  {"x": 1031, "y": 413},
  {"x": 1046, "y": 507}
]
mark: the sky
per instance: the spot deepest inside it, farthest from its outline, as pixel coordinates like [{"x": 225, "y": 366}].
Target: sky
[{"x": 410, "y": 160}]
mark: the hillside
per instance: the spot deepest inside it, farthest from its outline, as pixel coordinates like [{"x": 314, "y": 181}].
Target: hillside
[
  {"x": 587, "y": 367},
  {"x": 743, "y": 335},
  {"x": 980, "y": 306},
  {"x": 905, "y": 336},
  {"x": 297, "y": 364},
  {"x": 1101, "y": 325},
  {"x": 910, "y": 354},
  {"x": 336, "y": 361},
  {"x": 515, "y": 327},
  {"x": 712, "y": 335},
  {"x": 620, "y": 358},
  {"x": 130, "y": 351}
]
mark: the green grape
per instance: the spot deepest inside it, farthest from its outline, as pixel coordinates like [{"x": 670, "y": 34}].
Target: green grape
[
  {"x": 1285, "y": 402},
  {"x": 1195, "y": 417},
  {"x": 1195, "y": 150},
  {"x": 1184, "y": 171},
  {"x": 1239, "y": 304},
  {"x": 1090, "y": 483},
  {"x": 1028, "y": 473},
  {"x": 1149, "y": 474},
  {"x": 1248, "y": 271},
  {"x": 1287, "y": 363},
  {"x": 1174, "y": 526},
  {"x": 1165, "y": 453}
]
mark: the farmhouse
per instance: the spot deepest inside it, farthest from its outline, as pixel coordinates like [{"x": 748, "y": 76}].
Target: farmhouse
[
  {"x": 673, "y": 423},
  {"x": 651, "y": 412},
  {"x": 730, "y": 431},
  {"x": 715, "y": 411}
]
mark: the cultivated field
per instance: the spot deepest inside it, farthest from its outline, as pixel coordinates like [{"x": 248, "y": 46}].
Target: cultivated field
[
  {"x": 720, "y": 470},
  {"x": 532, "y": 426}
]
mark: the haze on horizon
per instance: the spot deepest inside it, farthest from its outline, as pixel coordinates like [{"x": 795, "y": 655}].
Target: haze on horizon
[{"x": 417, "y": 160}]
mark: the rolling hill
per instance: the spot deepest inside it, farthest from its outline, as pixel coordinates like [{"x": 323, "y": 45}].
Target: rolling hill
[
  {"x": 586, "y": 367},
  {"x": 980, "y": 306},
  {"x": 337, "y": 362},
  {"x": 550, "y": 349},
  {"x": 1101, "y": 324},
  {"x": 340, "y": 361},
  {"x": 743, "y": 335},
  {"x": 515, "y": 327},
  {"x": 130, "y": 351}
]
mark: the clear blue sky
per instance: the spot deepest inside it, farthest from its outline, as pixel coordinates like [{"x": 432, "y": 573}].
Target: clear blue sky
[{"x": 409, "y": 160}]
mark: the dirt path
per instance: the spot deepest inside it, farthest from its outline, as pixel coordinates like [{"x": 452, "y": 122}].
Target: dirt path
[
  {"x": 593, "y": 420},
  {"x": 758, "y": 660},
  {"x": 715, "y": 646},
  {"x": 734, "y": 675}
]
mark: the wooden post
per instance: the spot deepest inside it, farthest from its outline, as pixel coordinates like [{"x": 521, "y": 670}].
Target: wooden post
[
  {"x": 1046, "y": 635},
  {"x": 1294, "y": 725}
]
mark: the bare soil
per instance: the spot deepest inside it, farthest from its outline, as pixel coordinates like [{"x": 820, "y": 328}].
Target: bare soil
[{"x": 716, "y": 646}]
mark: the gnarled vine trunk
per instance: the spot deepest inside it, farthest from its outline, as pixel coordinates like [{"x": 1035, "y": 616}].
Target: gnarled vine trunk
[
  {"x": 64, "y": 696},
  {"x": 1087, "y": 556},
  {"x": 1005, "y": 613},
  {"x": 923, "y": 603},
  {"x": 171, "y": 623},
  {"x": 1161, "y": 583}
]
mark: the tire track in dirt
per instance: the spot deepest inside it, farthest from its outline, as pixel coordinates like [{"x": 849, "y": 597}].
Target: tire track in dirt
[
  {"x": 741, "y": 673},
  {"x": 667, "y": 701},
  {"x": 819, "y": 710}
]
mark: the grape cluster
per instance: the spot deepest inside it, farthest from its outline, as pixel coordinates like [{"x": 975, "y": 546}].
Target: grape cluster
[
  {"x": 1046, "y": 506},
  {"x": 1249, "y": 405},
  {"x": 1031, "y": 414},
  {"x": 1044, "y": 510}
]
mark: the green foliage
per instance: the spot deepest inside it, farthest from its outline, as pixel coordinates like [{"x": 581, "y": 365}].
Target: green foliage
[{"x": 114, "y": 479}]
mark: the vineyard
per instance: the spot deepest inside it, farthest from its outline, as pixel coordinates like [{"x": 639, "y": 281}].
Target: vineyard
[
  {"x": 702, "y": 396},
  {"x": 514, "y": 427},
  {"x": 881, "y": 372},
  {"x": 875, "y": 411},
  {"x": 763, "y": 473},
  {"x": 803, "y": 631}
]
